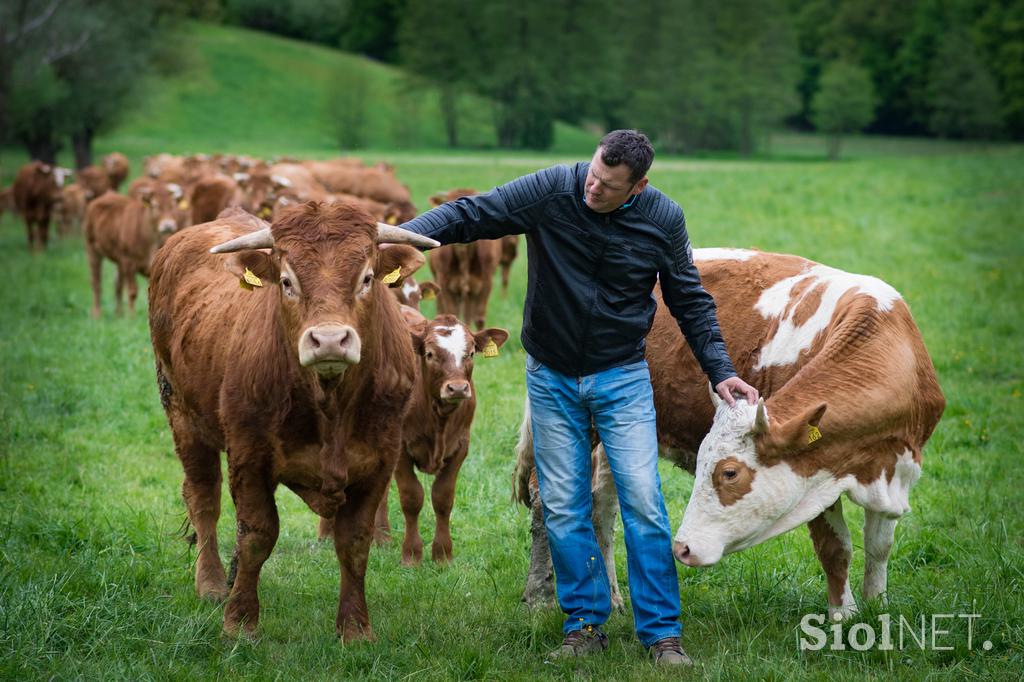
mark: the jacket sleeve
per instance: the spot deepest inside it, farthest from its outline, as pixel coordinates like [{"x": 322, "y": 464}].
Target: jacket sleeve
[
  {"x": 693, "y": 307},
  {"x": 512, "y": 208}
]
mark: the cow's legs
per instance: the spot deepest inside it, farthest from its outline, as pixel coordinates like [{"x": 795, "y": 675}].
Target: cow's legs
[
  {"x": 258, "y": 526},
  {"x": 442, "y": 496},
  {"x": 353, "y": 531},
  {"x": 95, "y": 275},
  {"x": 478, "y": 303},
  {"x": 201, "y": 491},
  {"x": 44, "y": 233},
  {"x": 381, "y": 524},
  {"x": 410, "y": 494},
  {"x": 119, "y": 289},
  {"x": 540, "y": 581},
  {"x": 832, "y": 544},
  {"x": 505, "y": 269},
  {"x": 133, "y": 289},
  {"x": 878, "y": 539},
  {"x": 606, "y": 508}
]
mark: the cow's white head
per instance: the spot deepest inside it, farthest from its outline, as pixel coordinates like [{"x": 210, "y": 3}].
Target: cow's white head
[{"x": 744, "y": 491}]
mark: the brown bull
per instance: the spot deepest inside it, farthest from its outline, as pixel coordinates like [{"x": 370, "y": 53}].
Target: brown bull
[
  {"x": 36, "y": 191},
  {"x": 127, "y": 231},
  {"x": 210, "y": 195},
  {"x": 301, "y": 379}
]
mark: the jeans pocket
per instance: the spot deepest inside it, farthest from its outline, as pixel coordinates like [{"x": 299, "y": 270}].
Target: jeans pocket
[{"x": 532, "y": 363}]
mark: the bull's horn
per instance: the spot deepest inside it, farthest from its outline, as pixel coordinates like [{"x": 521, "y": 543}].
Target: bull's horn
[
  {"x": 260, "y": 239},
  {"x": 761, "y": 418},
  {"x": 391, "y": 234}
]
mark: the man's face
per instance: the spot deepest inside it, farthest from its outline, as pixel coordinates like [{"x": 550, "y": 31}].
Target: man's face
[{"x": 608, "y": 187}]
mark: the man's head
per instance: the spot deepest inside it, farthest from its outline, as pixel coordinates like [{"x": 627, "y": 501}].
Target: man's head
[{"x": 618, "y": 170}]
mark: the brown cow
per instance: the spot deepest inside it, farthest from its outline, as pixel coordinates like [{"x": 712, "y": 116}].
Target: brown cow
[
  {"x": 210, "y": 195},
  {"x": 128, "y": 231},
  {"x": 435, "y": 433},
  {"x": 36, "y": 190},
  {"x": 95, "y": 181},
  {"x": 374, "y": 183},
  {"x": 301, "y": 380},
  {"x": 409, "y": 292},
  {"x": 850, "y": 398},
  {"x": 509, "y": 250},
  {"x": 464, "y": 272},
  {"x": 116, "y": 166},
  {"x": 71, "y": 208}
]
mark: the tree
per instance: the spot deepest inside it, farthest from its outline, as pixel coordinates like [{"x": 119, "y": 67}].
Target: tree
[
  {"x": 962, "y": 93},
  {"x": 844, "y": 103},
  {"x": 348, "y": 103}
]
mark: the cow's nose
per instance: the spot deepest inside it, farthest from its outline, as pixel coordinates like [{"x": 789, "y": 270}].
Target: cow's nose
[
  {"x": 681, "y": 550},
  {"x": 329, "y": 347},
  {"x": 167, "y": 226},
  {"x": 456, "y": 390}
]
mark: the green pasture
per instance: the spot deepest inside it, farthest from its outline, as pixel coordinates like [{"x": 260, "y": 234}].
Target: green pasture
[{"x": 96, "y": 582}]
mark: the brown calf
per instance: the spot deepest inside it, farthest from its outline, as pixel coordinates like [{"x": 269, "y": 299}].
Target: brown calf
[
  {"x": 128, "y": 231},
  {"x": 116, "y": 166},
  {"x": 36, "y": 190},
  {"x": 71, "y": 209},
  {"x": 210, "y": 195},
  {"x": 301, "y": 380},
  {"x": 95, "y": 181}
]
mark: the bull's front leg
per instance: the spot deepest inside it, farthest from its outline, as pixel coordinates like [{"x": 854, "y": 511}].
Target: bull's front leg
[
  {"x": 353, "y": 532},
  {"x": 831, "y": 539},
  {"x": 253, "y": 493}
]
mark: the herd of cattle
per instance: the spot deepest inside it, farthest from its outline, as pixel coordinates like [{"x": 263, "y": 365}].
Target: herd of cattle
[{"x": 296, "y": 346}]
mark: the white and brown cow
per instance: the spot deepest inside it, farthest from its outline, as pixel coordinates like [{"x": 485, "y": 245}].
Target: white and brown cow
[{"x": 850, "y": 397}]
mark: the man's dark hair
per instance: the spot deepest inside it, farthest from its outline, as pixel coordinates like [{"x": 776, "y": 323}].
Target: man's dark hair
[{"x": 630, "y": 147}]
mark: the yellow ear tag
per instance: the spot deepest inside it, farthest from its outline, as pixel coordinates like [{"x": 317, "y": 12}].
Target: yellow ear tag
[
  {"x": 392, "y": 220},
  {"x": 491, "y": 349},
  {"x": 429, "y": 295},
  {"x": 183, "y": 205},
  {"x": 250, "y": 280},
  {"x": 265, "y": 212},
  {"x": 393, "y": 276},
  {"x": 813, "y": 434}
]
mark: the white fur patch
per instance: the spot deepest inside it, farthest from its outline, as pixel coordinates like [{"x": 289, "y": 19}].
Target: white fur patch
[
  {"x": 723, "y": 254},
  {"x": 409, "y": 288},
  {"x": 453, "y": 343},
  {"x": 889, "y": 497},
  {"x": 789, "y": 340}
]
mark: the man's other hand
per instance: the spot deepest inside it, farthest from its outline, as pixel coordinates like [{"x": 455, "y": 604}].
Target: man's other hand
[{"x": 732, "y": 385}]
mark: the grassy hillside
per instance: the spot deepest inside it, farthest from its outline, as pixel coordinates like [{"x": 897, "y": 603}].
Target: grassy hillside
[{"x": 247, "y": 91}]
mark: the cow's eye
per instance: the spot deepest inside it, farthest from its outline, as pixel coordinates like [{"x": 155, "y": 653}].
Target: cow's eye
[
  {"x": 286, "y": 282},
  {"x": 429, "y": 355},
  {"x": 730, "y": 474},
  {"x": 367, "y": 279}
]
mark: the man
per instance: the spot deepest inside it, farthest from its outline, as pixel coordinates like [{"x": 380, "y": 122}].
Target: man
[{"x": 599, "y": 238}]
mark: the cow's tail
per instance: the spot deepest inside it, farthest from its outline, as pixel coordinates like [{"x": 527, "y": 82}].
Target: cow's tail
[{"x": 524, "y": 460}]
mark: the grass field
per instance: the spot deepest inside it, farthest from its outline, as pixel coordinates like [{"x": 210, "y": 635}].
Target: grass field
[{"x": 95, "y": 581}]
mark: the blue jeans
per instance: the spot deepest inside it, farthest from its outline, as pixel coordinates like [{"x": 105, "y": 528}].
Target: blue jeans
[{"x": 621, "y": 404}]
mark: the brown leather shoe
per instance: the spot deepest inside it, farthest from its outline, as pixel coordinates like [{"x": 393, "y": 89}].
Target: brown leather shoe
[
  {"x": 583, "y": 642},
  {"x": 669, "y": 651}
]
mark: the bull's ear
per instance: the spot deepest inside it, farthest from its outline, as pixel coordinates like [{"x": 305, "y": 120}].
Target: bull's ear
[
  {"x": 490, "y": 340},
  {"x": 437, "y": 199},
  {"x": 800, "y": 431},
  {"x": 245, "y": 265},
  {"x": 429, "y": 290},
  {"x": 395, "y": 262}
]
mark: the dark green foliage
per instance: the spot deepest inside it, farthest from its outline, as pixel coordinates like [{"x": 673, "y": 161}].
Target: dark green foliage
[
  {"x": 371, "y": 28},
  {"x": 962, "y": 94},
  {"x": 348, "y": 104},
  {"x": 844, "y": 103},
  {"x": 321, "y": 21}
]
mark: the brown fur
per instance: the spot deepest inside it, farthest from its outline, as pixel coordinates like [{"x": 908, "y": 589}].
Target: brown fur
[
  {"x": 35, "y": 193},
  {"x": 116, "y": 166},
  {"x": 210, "y": 195},
  {"x": 236, "y": 385},
  {"x": 374, "y": 183},
  {"x": 126, "y": 231},
  {"x": 732, "y": 479},
  {"x": 71, "y": 210},
  {"x": 95, "y": 180}
]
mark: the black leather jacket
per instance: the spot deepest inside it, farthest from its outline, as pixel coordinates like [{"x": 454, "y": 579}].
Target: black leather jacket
[{"x": 589, "y": 301}]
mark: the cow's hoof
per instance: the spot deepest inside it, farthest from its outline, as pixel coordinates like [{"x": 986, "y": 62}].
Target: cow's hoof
[
  {"x": 838, "y": 614},
  {"x": 617, "y": 603},
  {"x": 441, "y": 555},
  {"x": 352, "y": 633},
  {"x": 213, "y": 591},
  {"x": 234, "y": 630}
]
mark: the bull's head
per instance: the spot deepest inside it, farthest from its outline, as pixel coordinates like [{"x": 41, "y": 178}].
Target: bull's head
[
  {"x": 446, "y": 348},
  {"x": 744, "y": 491},
  {"x": 161, "y": 201},
  {"x": 327, "y": 265}
]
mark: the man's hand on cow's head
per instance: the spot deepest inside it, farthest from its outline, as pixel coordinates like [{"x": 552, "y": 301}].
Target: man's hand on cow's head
[{"x": 739, "y": 387}]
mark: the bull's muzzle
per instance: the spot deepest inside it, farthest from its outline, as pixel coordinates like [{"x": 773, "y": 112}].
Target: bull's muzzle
[
  {"x": 328, "y": 349},
  {"x": 167, "y": 226},
  {"x": 684, "y": 554}
]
